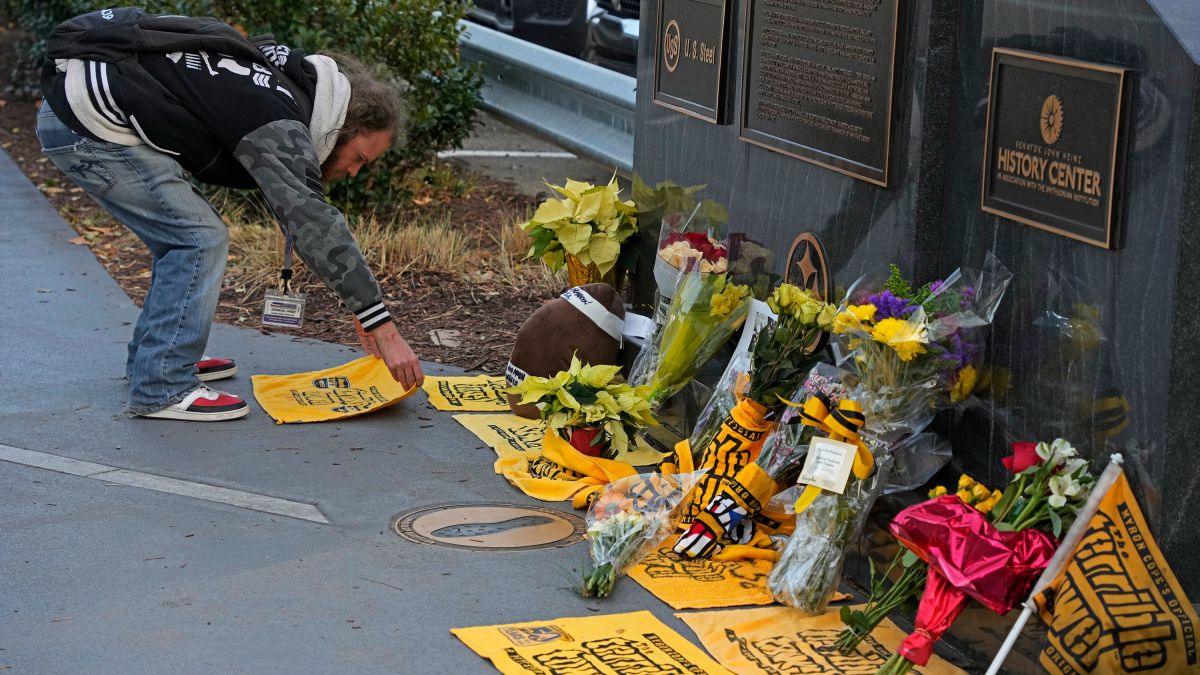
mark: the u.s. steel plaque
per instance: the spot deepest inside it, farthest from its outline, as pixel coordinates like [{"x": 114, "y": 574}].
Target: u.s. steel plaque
[
  {"x": 1054, "y": 147},
  {"x": 818, "y": 81},
  {"x": 689, "y": 64}
]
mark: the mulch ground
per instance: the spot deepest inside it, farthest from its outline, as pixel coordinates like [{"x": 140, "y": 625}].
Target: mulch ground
[{"x": 486, "y": 315}]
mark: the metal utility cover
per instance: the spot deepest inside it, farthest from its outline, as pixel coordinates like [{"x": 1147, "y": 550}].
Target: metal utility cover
[{"x": 489, "y": 527}]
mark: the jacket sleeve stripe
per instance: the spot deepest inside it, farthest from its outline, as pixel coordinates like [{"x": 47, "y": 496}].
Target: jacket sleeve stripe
[{"x": 373, "y": 317}]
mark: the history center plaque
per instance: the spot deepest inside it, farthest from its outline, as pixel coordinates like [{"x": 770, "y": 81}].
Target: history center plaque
[
  {"x": 689, "y": 65},
  {"x": 818, "y": 82},
  {"x": 1053, "y": 155}
]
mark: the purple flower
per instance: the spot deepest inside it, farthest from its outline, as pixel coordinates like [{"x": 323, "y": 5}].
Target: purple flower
[
  {"x": 933, "y": 288},
  {"x": 888, "y": 306},
  {"x": 968, "y": 297},
  {"x": 963, "y": 352}
]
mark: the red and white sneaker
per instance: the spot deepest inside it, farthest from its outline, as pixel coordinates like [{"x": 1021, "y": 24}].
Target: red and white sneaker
[
  {"x": 204, "y": 405},
  {"x": 209, "y": 369}
]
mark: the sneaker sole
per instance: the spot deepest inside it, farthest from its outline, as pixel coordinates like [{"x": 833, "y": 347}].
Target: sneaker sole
[
  {"x": 217, "y": 375},
  {"x": 168, "y": 414}
]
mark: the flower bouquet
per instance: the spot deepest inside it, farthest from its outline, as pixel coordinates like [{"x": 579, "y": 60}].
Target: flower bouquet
[
  {"x": 993, "y": 557},
  {"x": 583, "y": 227},
  {"x": 702, "y": 315},
  {"x": 905, "y": 351},
  {"x": 629, "y": 520},
  {"x": 735, "y": 487},
  {"x": 679, "y": 249},
  {"x": 586, "y": 407}
]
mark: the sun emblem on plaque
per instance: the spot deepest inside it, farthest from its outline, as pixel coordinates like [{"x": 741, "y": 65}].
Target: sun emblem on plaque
[
  {"x": 671, "y": 46},
  {"x": 1052, "y": 119},
  {"x": 807, "y": 266}
]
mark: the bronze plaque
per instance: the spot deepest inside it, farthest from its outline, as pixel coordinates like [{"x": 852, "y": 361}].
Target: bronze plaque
[
  {"x": 818, "y": 82},
  {"x": 1054, "y": 147},
  {"x": 689, "y": 64},
  {"x": 489, "y": 527}
]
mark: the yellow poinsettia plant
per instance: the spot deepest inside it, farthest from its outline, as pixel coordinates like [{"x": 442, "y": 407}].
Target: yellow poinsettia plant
[
  {"x": 589, "y": 397},
  {"x": 587, "y": 221}
]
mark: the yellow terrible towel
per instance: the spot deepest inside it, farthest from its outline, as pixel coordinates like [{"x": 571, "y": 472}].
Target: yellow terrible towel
[
  {"x": 611, "y": 644},
  {"x": 703, "y": 583},
  {"x": 479, "y": 393},
  {"x": 785, "y": 640},
  {"x": 509, "y": 433},
  {"x": 358, "y": 387},
  {"x": 560, "y": 472},
  {"x": 505, "y": 433}
]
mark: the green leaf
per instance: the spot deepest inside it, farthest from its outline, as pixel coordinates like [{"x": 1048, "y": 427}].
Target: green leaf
[
  {"x": 1057, "y": 523},
  {"x": 909, "y": 559},
  {"x": 847, "y": 617}
]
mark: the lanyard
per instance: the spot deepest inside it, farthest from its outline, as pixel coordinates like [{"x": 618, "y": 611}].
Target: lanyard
[{"x": 285, "y": 274}]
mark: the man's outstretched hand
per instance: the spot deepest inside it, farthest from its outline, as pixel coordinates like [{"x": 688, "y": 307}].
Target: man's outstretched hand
[{"x": 385, "y": 342}]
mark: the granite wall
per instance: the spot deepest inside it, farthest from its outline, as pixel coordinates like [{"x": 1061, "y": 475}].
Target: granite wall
[{"x": 1080, "y": 324}]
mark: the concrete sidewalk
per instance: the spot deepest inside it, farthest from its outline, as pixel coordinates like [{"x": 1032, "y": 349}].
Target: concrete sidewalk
[{"x": 106, "y": 578}]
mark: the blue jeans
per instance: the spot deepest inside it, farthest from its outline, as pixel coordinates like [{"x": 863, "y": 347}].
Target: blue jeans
[{"x": 150, "y": 194}]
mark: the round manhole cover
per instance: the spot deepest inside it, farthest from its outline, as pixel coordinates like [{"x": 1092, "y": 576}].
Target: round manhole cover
[{"x": 489, "y": 527}]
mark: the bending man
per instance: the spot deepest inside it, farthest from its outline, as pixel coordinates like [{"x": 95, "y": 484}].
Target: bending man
[{"x": 135, "y": 102}]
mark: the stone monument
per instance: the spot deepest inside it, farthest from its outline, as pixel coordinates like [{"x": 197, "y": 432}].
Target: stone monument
[{"x": 1062, "y": 135}]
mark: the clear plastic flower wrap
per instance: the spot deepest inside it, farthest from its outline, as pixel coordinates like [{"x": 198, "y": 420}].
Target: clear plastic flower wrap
[
  {"x": 786, "y": 446},
  {"x": 914, "y": 351},
  {"x": 689, "y": 229},
  {"x": 629, "y": 520},
  {"x": 705, "y": 312},
  {"x": 810, "y": 566}
]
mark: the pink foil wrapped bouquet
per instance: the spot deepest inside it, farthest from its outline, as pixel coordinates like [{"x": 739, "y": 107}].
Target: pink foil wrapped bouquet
[{"x": 987, "y": 545}]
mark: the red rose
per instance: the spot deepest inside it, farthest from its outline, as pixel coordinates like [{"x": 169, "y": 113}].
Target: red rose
[
  {"x": 1024, "y": 456},
  {"x": 671, "y": 239},
  {"x": 715, "y": 253}
]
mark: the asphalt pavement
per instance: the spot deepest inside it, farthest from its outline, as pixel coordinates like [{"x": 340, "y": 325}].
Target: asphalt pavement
[{"x": 102, "y": 576}]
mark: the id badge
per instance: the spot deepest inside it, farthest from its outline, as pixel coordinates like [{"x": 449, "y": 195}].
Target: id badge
[{"x": 283, "y": 310}]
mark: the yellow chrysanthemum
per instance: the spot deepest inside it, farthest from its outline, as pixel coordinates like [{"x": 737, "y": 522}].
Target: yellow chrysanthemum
[
  {"x": 966, "y": 496},
  {"x": 853, "y": 318},
  {"x": 723, "y": 303},
  {"x": 967, "y": 377},
  {"x": 905, "y": 338},
  {"x": 939, "y": 491},
  {"x": 965, "y": 482},
  {"x": 863, "y": 312},
  {"x": 980, "y": 491}
]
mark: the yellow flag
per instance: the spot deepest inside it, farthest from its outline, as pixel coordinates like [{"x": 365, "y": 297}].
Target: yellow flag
[
  {"x": 611, "y": 644},
  {"x": 358, "y": 387},
  {"x": 1116, "y": 607}
]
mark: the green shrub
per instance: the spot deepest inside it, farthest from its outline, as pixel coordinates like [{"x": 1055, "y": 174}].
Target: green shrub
[
  {"x": 414, "y": 40},
  {"x": 36, "y": 18}
]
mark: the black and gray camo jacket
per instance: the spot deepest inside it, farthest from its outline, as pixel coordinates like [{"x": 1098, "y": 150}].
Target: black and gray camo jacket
[{"x": 232, "y": 112}]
